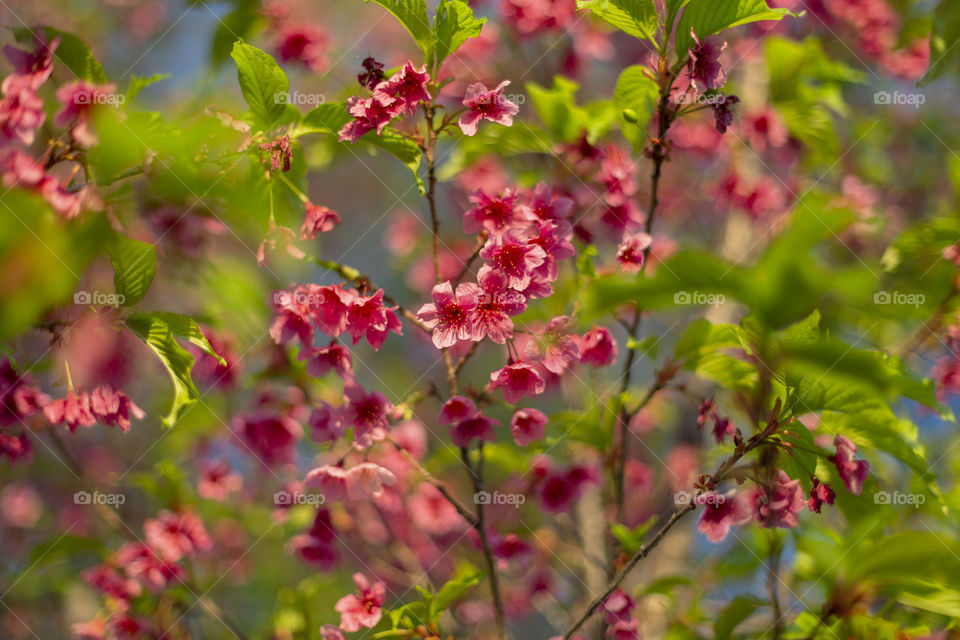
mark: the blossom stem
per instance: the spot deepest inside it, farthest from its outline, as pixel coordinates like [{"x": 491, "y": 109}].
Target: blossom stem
[{"x": 463, "y": 511}]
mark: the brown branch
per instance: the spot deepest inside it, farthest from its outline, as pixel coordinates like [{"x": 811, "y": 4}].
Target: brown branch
[{"x": 429, "y": 477}]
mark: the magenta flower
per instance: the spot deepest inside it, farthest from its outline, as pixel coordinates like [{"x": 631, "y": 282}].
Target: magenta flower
[
  {"x": 21, "y": 114},
  {"x": 450, "y": 315},
  {"x": 304, "y": 43},
  {"x": 723, "y": 112},
  {"x": 545, "y": 206},
  {"x": 328, "y": 307},
  {"x": 331, "y": 480},
  {"x": 514, "y": 256},
  {"x": 517, "y": 380},
  {"x": 175, "y": 535},
  {"x": 476, "y": 426},
  {"x": 561, "y": 350},
  {"x": 139, "y": 562},
  {"x": 114, "y": 407},
  {"x": 820, "y": 494},
  {"x": 74, "y": 410},
  {"x": 370, "y": 113},
  {"x": 597, "y": 347},
  {"x": 333, "y": 357},
  {"x": 30, "y": 69},
  {"x": 852, "y": 472},
  {"x": 631, "y": 254},
  {"x": 618, "y": 606},
  {"x": 326, "y": 424},
  {"x": 408, "y": 87},
  {"x": 552, "y": 238},
  {"x": 496, "y": 305},
  {"x": 431, "y": 512},
  {"x": 363, "y": 610},
  {"x": 703, "y": 65},
  {"x": 293, "y": 316},
  {"x": 560, "y": 489},
  {"x": 455, "y": 409},
  {"x": 217, "y": 480},
  {"x": 486, "y": 104},
  {"x": 367, "y": 316},
  {"x": 372, "y": 73},
  {"x": 269, "y": 436},
  {"x": 527, "y": 425},
  {"x": 366, "y": 412},
  {"x": 317, "y": 219},
  {"x": 779, "y": 504},
  {"x": 720, "y": 512},
  {"x": 493, "y": 213},
  {"x": 316, "y": 546},
  {"x": 79, "y": 99}
]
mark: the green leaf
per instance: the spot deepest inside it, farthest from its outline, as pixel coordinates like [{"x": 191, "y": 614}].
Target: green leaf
[
  {"x": 463, "y": 579},
  {"x": 558, "y": 109},
  {"x": 638, "y": 93},
  {"x": 636, "y": 17},
  {"x": 403, "y": 149},
  {"x": 412, "y": 14},
  {"x": 632, "y": 539},
  {"x": 158, "y": 335},
  {"x": 262, "y": 82},
  {"x": 138, "y": 84},
  {"x": 739, "y": 609},
  {"x": 454, "y": 25},
  {"x": 134, "y": 264},
  {"x": 186, "y": 327},
  {"x": 72, "y": 52},
  {"x": 944, "y": 41},
  {"x": 239, "y": 24},
  {"x": 707, "y": 17}
]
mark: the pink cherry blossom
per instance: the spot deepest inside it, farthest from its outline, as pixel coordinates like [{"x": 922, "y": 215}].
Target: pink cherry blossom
[
  {"x": 408, "y": 87},
  {"x": 552, "y": 238},
  {"x": 330, "y": 632},
  {"x": 21, "y": 114},
  {"x": 318, "y": 219},
  {"x": 366, "y": 412},
  {"x": 545, "y": 206},
  {"x": 476, "y": 426},
  {"x": 363, "y": 610},
  {"x": 455, "y": 409},
  {"x": 631, "y": 253},
  {"x": 30, "y": 69},
  {"x": 370, "y": 113},
  {"x": 720, "y": 512},
  {"x": 333, "y": 357},
  {"x": 597, "y": 347},
  {"x": 517, "y": 380},
  {"x": 114, "y": 407},
  {"x": 486, "y": 104},
  {"x": 368, "y": 479},
  {"x": 493, "y": 213},
  {"x": 778, "y": 505},
  {"x": 852, "y": 472},
  {"x": 820, "y": 494},
  {"x": 497, "y": 303},
  {"x": 326, "y": 424},
  {"x": 316, "y": 546},
  {"x": 450, "y": 316},
  {"x": 703, "y": 65},
  {"x": 305, "y": 43},
  {"x": 217, "y": 480},
  {"x": 79, "y": 99},
  {"x": 368, "y": 317},
  {"x": 139, "y": 562},
  {"x": 561, "y": 350},
  {"x": 559, "y": 489},
  {"x": 73, "y": 410},
  {"x": 514, "y": 256},
  {"x": 527, "y": 425},
  {"x": 175, "y": 535},
  {"x": 269, "y": 436},
  {"x": 331, "y": 480}
]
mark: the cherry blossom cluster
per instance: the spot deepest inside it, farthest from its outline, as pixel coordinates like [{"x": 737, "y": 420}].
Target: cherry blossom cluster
[
  {"x": 401, "y": 94},
  {"x": 151, "y": 565},
  {"x": 22, "y": 114}
]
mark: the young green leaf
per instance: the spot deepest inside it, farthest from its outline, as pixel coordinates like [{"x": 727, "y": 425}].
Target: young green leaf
[
  {"x": 138, "y": 84},
  {"x": 638, "y": 93},
  {"x": 465, "y": 577},
  {"x": 134, "y": 264},
  {"x": 636, "y": 17},
  {"x": 738, "y": 610},
  {"x": 454, "y": 25},
  {"x": 262, "y": 83},
  {"x": 412, "y": 14},
  {"x": 707, "y": 17}
]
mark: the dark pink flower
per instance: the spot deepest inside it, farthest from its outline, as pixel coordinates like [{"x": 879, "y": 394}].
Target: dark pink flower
[
  {"x": 476, "y": 426},
  {"x": 820, "y": 494},
  {"x": 175, "y": 535},
  {"x": 79, "y": 99},
  {"x": 30, "y": 69},
  {"x": 723, "y": 112},
  {"x": 316, "y": 546},
  {"x": 217, "y": 480},
  {"x": 618, "y": 606},
  {"x": 408, "y": 87},
  {"x": 852, "y": 472},
  {"x": 278, "y": 152},
  {"x": 367, "y": 316},
  {"x": 363, "y": 610},
  {"x": 559, "y": 489},
  {"x": 527, "y": 425},
  {"x": 109, "y": 581},
  {"x": 455, "y": 409},
  {"x": 305, "y": 43},
  {"x": 73, "y": 410},
  {"x": 631, "y": 253},
  {"x": 372, "y": 73},
  {"x": 513, "y": 255},
  {"x": 493, "y": 213},
  {"x": 317, "y": 220},
  {"x": 329, "y": 307},
  {"x": 497, "y": 303},
  {"x": 269, "y": 436},
  {"x": 517, "y": 380},
  {"x": 366, "y": 412},
  {"x": 703, "y": 65},
  {"x": 326, "y": 424},
  {"x": 451, "y": 316},
  {"x": 597, "y": 347},
  {"x": 293, "y": 316},
  {"x": 561, "y": 350},
  {"x": 545, "y": 206},
  {"x": 370, "y": 113},
  {"x": 331, "y": 480},
  {"x": 486, "y": 104},
  {"x": 552, "y": 238},
  {"x": 334, "y": 357},
  {"x": 21, "y": 114},
  {"x": 778, "y": 505},
  {"x": 139, "y": 562},
  {"x": 18, "y": 398},
  {"x": 720, "y": 512},
  {"x": 431, "y": 512},
  {"x": 114, "y": 407}
]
